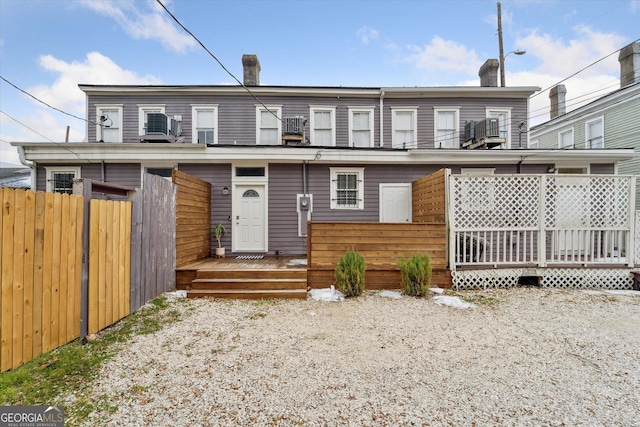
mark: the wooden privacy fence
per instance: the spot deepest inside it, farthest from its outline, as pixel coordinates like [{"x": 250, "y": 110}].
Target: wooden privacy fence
[
  {"x": 41, "y": 256},
  {"x": 428, "y": 197},
  {"x": 193, "y": 218},
  {"x": 381, "y": 244}
]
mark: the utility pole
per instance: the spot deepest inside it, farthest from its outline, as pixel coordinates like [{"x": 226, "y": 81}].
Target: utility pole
[{"x": 502, "y": 83}]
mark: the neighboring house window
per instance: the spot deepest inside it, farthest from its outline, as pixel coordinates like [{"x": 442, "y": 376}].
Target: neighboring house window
[
  {"x": 534, "y": 144},
  {"x": 60, "y": 179},
  {"x": 404, "y": 122},
  {"x": 447, "y": 127},
  {"x": 323, "y": 125},
  {"x": 204, "y": 124},
  {"x": 143, "y": 112},
  {"x": 361, "y": 127},
  {"x": 269, "y": 125},
  {"x": 109, "y": 123},
  {"x": 164, "y": 171},
  {"x": 594, "y": 130},
  {"x": 347, "y": 188},
  {"x": 565, "y": 139},
  {"x": 504, "y": 119}
]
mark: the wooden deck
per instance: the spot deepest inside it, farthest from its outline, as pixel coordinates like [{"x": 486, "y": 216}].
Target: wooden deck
[{"x": 268, "y": 277}]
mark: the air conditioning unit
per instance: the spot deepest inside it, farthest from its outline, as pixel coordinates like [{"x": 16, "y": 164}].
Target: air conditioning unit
[
  {"x": 487, "y": 128},
  {"x": 157, "y": 123},
  {"x": 470, "y": 131},
  {"x": 176, "y": 127},
  {"x": 294, "y": 125}
]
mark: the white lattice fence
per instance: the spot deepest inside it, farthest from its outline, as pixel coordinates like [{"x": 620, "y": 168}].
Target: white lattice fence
[
  {"x": 637, "y": 238},
  {"x": 564, "y": 278}
]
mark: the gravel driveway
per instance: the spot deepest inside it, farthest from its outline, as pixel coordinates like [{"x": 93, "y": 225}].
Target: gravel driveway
[{"x": 519, "y": 357}]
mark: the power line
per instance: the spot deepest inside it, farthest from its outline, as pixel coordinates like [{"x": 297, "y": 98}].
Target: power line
[
  {"x": 31, "y": 129},
  {"x": 44, "y": 103},
  {"x": 218, "y": 61}
]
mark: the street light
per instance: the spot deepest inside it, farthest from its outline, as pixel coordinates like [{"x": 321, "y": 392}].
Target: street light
[{"x": 502, "y": 55}]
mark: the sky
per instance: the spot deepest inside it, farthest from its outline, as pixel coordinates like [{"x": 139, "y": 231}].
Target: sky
[{"x": 48, "y": 47}]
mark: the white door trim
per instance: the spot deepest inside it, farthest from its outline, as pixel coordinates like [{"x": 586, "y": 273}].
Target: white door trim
[
  {"x": 239, "y": 188},
  {"x": 393, "y": 185}
]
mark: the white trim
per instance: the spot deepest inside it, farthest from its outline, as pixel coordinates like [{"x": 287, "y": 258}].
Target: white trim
[
  {"x": 51, "y": 170},
  {"x": 317, "y": 109},
  {"x": 163, "y": 165},
  {"x": 333, "y": 173},
  {"x": 507, "y": 112},
  {"x": 414, "y": 126},
  {"x": 370, "y": 111},
  {"x": 586, "y": 131},
  {"x": 277, "y": 110},
  {"x": 477, "y": 171},
  {"x": 142, "y": 109},
  {"x": 99, "y": 109},
  {"x": 573, "y": 138},
  {"x": 456, "y": 136},
  {"x": 235, "y": 197},
  {"x": 194, "y": 122},
  {"x": 533, "y": 144}
]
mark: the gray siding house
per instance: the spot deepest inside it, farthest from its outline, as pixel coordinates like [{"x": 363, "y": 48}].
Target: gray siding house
[
  {"x": 608, "y": 122},
  {"x": 277, "y": 156}
]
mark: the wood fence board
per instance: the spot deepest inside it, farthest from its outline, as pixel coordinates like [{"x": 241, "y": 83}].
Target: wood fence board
[
  {"x": 73, "y": 266},
  {"x": 102, "y": 263},
  {"x": 127, "y": 259},
  {"x": 136, "y": 252},
  {"x": 38, "y": 272},
  {"x": 56, "y": 258},
  {"x": 29, "y": 254},
  {"x": 64, "y": 276},
  {"x": 108, "y": 272},
  {"x": 6, "y": 330},
  {"x": 47, "y": 272},
  {"x": 94, "y": 269},
  {"x": 18, "y": 276}
]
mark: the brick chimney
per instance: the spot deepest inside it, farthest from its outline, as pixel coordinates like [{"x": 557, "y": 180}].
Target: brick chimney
[
  {"x": 629, "y": 58},
  {"x": 251, "y": 67},
  {"x": 557, "y": 97},
  {"x": 489, "y": 73}
]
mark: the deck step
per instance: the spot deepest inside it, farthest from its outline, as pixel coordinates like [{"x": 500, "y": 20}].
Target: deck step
[
  {"x": 247, "y": 294},
  {"x": 249, "y": 284},
  {"x": 264, "y": 273}
]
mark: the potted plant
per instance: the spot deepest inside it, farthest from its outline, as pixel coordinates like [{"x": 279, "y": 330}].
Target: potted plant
[{"x": 218, "y": 232}]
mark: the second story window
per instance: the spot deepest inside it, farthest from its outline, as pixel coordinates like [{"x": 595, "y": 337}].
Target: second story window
[
  {"x": 323, "y": 125},
  {"x": 404, "y": 122},
  {"x": 361, "y": 126},
  {"x": 143, "y": 116},
  {"x": 565, "y": 139},
  {"x": 447, "y": 125},
  {"x": 504, "y": 119},
  {"x": 204, "y": 124},
  {"x": 594, "y": 130},
  {"x": 108, "y": 123},
  {"x": 268, "y": 125}
]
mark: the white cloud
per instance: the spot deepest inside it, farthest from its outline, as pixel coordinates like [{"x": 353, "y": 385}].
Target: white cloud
[
  {"x": 366, "y": 34},
  {"x": 444, "y": 55},
  {"x": 151, "y": 24}
]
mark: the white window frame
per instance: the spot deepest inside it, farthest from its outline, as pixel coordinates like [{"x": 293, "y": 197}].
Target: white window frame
[
  {"x": 563, "y": 132},
  {"x": 414, "y": 127},
  {"x": 456, "y": 136},
  {"x": 99, "y": 109},
  {"x": 277, "y": 110},
  {"x": 156, "y": 165},
  {"x": 587, "y": 139},
  {"x": 354, "y": 110},
  {"x": 50, "y": 172},
  {"x": 533, "y": 144},
  {"x": 143, "y": 110},
  {"x": 491, "y": 112},
  {"x": 194, "y": 121},
  {"x": 312, "y": 125},
  {"x": 359, "y": 172}
]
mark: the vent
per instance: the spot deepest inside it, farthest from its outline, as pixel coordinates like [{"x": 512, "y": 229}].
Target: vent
[
  {"x": 294, "y": 125},
  {"x": 157, "y": 123}
]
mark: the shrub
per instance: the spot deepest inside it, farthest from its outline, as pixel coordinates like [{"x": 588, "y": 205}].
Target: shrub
[
  {"x": 349, "y": 274},
  {"x": 416, "y": 275}
]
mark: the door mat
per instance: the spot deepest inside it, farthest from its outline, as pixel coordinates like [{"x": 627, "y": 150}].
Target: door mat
[{"x": 250, "y": 257}]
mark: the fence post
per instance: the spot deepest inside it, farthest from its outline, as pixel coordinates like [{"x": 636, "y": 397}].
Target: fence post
[
  {"x": 82, "y": 187},
  {"x": 542, "y": 237},
  {"x": 136, "y": 249}
]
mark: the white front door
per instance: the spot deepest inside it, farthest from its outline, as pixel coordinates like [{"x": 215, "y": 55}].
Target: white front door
[
  {"x": 249, "y": 232},
  {"x": 395, "y": 202}
]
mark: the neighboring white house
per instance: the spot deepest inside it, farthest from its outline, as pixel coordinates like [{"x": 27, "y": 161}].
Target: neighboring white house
[{"x": 608, "y": 122}]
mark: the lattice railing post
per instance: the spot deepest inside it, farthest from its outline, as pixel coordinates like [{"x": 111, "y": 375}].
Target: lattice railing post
[{"x": 542, "y": 235}]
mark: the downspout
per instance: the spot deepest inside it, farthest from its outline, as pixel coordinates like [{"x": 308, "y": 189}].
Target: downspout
[
  {"x": 304, "y": 178},
  {"x": 31, "y": 166},
  {"x": 102, "y": 171},
  {"x": 381, "y": 119}
]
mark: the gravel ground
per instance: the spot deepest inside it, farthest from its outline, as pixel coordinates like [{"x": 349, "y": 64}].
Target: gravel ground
[{"x": 519, "y": 357}]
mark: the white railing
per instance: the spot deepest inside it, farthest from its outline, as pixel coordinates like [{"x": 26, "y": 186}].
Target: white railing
[
  {"x": 540, "y": 220},
  {"x": 637, "y": 238}
]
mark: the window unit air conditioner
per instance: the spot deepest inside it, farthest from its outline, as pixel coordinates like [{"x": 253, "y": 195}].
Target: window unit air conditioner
[{"x": 294, "y": 125}]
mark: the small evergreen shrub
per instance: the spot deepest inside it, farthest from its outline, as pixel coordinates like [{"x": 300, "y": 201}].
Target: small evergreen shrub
[
  {"x": 416, "y": 275},
  {"x": 349, "y": 274}
]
